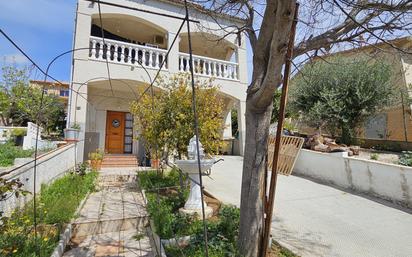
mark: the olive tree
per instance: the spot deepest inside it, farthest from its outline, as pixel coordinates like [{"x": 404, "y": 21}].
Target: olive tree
[{"x": 342, "y": 93}]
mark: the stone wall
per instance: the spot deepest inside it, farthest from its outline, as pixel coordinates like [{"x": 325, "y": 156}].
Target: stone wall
[{"x": 49, "y": 167}]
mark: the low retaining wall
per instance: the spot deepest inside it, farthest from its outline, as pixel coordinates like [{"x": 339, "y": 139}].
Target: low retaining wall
[
  {"x": 49, "y": 167},
  {"x": 388, "y": 181}
]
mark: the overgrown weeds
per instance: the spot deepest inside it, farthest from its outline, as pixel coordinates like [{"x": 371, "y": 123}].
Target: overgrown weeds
[
  {"x": 56, "y": 206},
  {"x": 9, "y": 152}
]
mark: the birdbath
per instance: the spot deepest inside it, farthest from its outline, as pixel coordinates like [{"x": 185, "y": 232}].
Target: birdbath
[{"x": 193, "y": 205}]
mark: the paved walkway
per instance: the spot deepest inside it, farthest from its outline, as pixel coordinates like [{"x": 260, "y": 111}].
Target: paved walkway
[
  {"x": 312, "y": 219},
  {"x": 113, "y": 220}
]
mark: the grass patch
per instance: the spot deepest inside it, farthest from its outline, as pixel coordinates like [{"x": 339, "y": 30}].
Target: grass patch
[
  {"x": 9, "y": 152},
  {"x": 56, "y": 206}
]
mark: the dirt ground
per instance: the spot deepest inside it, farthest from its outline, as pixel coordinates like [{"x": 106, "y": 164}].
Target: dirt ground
[{"x": 382, "y": 156}]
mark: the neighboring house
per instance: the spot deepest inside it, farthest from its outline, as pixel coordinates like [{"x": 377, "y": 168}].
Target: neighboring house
[
  {"x": 137, "y": 39},
  {"x": 51, "y": 88},
  {"x": 395, "y": 122}
]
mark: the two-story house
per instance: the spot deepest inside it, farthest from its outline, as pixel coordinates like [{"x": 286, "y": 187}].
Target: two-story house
[{"x": 109, "y": 74}]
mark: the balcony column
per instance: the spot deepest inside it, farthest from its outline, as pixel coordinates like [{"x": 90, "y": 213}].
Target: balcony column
[
  {"x": 241, "y": 58},
  {"x": 241, "y": 123},
  {"x": 173, "y": 59}
]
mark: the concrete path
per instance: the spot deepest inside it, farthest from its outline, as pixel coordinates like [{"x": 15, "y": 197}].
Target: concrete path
[
  {"x": 312, "y": 219},
  {"x": 113, "y": 220}
]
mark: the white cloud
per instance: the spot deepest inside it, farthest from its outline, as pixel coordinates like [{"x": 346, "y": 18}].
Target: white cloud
[
  {"x": 14, "y": 59},
  {"x": 44, "y": 14}
]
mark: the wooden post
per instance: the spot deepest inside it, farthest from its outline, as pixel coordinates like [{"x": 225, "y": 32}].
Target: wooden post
[{"x": 273, "y": 178}]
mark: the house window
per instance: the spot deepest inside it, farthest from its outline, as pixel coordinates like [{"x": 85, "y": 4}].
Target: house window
[{"x": 64, "y": 92}]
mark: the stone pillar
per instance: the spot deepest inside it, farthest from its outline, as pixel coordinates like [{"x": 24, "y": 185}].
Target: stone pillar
[
  {"x": 78, "y": 115},
  {"x": 227, "y": 131},
  {"x": 241, "y": 121}
]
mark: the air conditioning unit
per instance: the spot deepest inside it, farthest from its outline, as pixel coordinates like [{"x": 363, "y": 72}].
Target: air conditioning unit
[{"x": 158, "y": 39}]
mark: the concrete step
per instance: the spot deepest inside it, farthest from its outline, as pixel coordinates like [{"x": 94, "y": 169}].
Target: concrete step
[
  {"x": 118, "y": 161},
  {"x": 125, "y": 243},
  {"x": 102, "y": 226}
]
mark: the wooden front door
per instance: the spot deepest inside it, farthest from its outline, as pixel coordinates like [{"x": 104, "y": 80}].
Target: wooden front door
[{"x": 115, "y": 132}]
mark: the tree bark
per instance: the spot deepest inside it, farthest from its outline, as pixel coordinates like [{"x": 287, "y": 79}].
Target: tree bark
[
  {"x": 252, "y": 207},
  {"x": 268, "y": 60}
]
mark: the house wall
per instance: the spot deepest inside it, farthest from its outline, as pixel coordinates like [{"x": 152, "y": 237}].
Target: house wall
[{"x": 86, "y": 70}]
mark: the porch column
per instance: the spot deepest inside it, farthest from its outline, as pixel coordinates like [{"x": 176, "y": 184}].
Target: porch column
[
  {"x": 173, "y": 59},
  {"x": 227, "y": 131},
  {"x": 241, "y": 121}
]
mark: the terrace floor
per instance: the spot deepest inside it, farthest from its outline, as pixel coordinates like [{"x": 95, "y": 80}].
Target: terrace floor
[{"x": 312, "y": 219}]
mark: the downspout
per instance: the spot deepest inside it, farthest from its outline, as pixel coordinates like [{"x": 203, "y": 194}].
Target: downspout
[{"x": 69, "y": 105}]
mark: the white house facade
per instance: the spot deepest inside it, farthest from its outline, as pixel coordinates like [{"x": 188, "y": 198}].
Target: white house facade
[{"x": 134, "y": 46}]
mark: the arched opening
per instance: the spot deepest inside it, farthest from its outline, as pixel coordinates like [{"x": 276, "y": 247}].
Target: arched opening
[
  {"x": 212, "y": 55},
  {"x": 208, "y": 45},
  {"x": 129, "y": 29},
  {"x": 109, "y": 124},
  {"x": 129, "y": 40}
]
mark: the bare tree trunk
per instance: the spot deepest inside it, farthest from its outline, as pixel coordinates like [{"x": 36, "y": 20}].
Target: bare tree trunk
[
  {"x": 251, "y": 219},
  {"x": 268, "y": 60}
]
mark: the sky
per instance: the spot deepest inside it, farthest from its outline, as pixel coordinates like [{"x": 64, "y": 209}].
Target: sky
[{"x": 43, "y": 29}]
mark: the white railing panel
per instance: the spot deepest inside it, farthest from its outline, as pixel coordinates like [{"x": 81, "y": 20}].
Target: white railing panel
[
  {"x": 126, "y": 53},
  {"x": 210, "y": 67}
]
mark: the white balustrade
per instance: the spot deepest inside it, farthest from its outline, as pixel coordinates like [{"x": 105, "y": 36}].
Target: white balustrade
[
  {"x": 150, "y": 57},
  {"x": 131, "y": 54}
]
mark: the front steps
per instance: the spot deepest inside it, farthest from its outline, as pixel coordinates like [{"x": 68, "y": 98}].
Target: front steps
[
  {"x": 119, "y": 161},
  {"x": 113, "y": 221}
]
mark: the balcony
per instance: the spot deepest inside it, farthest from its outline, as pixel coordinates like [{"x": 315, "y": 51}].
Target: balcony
[{"x": 151, "y": 57}]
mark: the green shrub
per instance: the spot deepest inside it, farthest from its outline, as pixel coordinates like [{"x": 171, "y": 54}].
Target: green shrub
[
  {"x": 406, "y": 158},
  {"x": 153, "y": 179},
  {"x": 9, "y": 152},
  {"x": 18, "y": 132},
  {"x": 374, "y": 156}
]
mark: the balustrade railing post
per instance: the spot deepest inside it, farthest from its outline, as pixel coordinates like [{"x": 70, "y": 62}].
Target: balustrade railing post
[
  {"x": 100, "y": 53},
  {"x": 157, "y": 60},
  {"x": 115, "y": 54},
  {"x": 144, "y": 57},
  {"x": 150, "y": 58},
  {"x": 94, "y": 48},
  {"x": 122, "y": 54},
  {"x": 108, "y": 52}
]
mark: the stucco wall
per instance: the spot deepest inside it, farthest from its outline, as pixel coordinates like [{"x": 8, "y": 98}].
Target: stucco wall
[
  {"x": 387, "y": 181},
  {"x": 49, "y": 167}
]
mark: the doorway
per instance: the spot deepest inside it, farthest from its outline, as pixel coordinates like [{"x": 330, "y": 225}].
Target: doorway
[{"x": 115, "y": 129}]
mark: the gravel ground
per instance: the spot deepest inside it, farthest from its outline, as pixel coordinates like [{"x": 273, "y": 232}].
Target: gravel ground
[{"x": 383, "y": 156}]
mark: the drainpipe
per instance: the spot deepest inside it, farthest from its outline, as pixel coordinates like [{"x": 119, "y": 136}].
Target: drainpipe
[{"x": 69, "y": 105}]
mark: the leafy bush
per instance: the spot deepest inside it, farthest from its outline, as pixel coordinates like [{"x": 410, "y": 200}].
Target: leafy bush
[
  {"x": 9, "y": 152},
  {"x": 169, "y": 223},
  {"x": 374, "y": 156},
  {"x": 57, "y": 204},
  {"x": 406, "y": 158},
  {"x": 18, "y": 132},
  {"x": 153, "y": 179}
]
